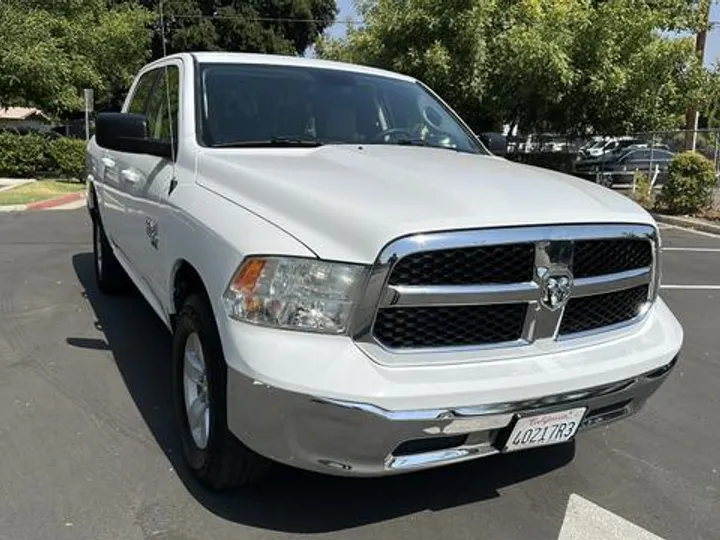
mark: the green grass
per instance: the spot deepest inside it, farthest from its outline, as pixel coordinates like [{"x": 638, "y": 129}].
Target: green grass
[{"x": 38, "y": 191}]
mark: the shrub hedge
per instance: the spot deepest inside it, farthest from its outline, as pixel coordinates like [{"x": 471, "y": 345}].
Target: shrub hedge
[
  {"x": 33, "y": 155},
  {"x": 643, "y": 193},
  {"x": 67, "y": 156},
  {"x": 690, "y": 184}
]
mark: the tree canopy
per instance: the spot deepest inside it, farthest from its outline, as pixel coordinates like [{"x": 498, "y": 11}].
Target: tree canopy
[
  {"x": 265, "y": 26},
  {"x": 51, "y": 49},
  {"x": 611, "y": 66}
]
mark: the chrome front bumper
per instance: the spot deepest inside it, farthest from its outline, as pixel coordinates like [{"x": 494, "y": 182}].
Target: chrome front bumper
[{"x": 357, "y": 439}]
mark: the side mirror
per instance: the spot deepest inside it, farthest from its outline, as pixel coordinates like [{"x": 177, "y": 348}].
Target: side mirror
[
  {"x": 495, "y": 142},
  {"x": 126, "y": 132}
]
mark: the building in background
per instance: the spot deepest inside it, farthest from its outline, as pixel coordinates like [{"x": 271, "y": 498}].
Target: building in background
[{"x": 24, "y": 118}]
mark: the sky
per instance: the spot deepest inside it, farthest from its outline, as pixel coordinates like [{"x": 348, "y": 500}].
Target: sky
[{"x": 712, "y": 49}]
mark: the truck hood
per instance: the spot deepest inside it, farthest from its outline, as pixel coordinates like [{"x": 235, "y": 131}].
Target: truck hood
[{"x": 347, "y": 202}]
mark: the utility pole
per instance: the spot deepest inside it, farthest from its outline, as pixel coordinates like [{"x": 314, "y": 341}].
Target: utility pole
[
  {"x": 162, "y": 29},
  {"x": 89, "y": 97},
  {"x": 691, "y": 117}
]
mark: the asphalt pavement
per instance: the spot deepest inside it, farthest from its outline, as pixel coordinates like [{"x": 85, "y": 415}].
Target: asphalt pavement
[{"x": 89, "y": 449}]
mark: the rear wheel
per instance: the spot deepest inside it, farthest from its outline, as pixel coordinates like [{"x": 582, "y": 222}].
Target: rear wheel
[
  {"x": 215, "y": 456},
  {"x": 109, "y": 275}
]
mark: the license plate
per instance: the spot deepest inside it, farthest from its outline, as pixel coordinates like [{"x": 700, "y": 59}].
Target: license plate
[{"x": 544, "y": 429}]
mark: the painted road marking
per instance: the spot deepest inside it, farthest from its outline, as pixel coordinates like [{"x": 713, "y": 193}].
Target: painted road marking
[
  {"x": 692, "y": 287},
  {"x": 585, "y": 520},
  {"x": 699, "y": 250},
  {"x": 694, "y": 231}
]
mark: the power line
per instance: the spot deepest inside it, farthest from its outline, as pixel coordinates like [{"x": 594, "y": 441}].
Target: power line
[{"x": 258, "y": 19}]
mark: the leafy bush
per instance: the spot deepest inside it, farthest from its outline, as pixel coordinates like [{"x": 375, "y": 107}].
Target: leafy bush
[
  {"x": 690, "y": 184},
  {"x": 67, "y": 157},
  {"x": 643, "y": 193},
  {"x": 22, "y": 155},
  {"x": 34, "y": 155}
]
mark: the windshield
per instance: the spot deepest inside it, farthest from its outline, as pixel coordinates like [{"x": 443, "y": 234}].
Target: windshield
[{"x": 262, "y": 105}]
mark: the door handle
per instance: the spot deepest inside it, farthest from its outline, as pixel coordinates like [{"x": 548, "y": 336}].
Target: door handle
[
  {"x": 108, "y": 162},
  {"x": 131, "y": 176}
]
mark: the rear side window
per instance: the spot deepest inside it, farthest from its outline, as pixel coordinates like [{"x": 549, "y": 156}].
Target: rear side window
[
  {"x": 139, "y": 99},
  {"x": 162, "y": 110}
]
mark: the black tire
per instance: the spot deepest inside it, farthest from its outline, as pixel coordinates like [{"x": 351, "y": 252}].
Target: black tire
[
  {"x": 224, "y": 462},
  {"x": 109, "y": 275}
]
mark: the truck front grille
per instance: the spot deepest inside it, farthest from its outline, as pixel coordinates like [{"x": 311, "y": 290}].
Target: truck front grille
[
  {"x": 466, "y": 266},
  {"x": 591, "y": 312},
  {"x": 508, "y": 286},
  {"x": 598, "y": 257},
  {"x": 449, "y": 326}
]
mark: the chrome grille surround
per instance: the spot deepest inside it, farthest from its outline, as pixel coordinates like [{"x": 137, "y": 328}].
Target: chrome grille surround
[{"x": 553, "y": 254}]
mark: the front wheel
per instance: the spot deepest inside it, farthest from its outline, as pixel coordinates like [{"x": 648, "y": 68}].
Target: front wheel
[{"x": 215, "y": 456}]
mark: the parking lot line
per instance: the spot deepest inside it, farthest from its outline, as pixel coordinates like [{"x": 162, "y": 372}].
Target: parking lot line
[
  {"x": 699, "y": 250},
  {"x": 692, "y": 287},
  {"x": 686, "y": 229}
]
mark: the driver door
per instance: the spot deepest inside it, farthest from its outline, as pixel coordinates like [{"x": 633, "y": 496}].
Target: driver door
[{"x": 151, "y": 178}]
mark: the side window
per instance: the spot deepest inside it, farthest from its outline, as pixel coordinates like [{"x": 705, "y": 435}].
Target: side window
[
  {"x": 631, "y": 157},
  {"x": 641, "y": 155},
  {"x": 138, "y": 102},
  {"x": 162, "y": 111}
]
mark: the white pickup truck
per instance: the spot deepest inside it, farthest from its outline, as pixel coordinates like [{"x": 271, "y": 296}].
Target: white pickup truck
[{"x": 354, "y": 284}]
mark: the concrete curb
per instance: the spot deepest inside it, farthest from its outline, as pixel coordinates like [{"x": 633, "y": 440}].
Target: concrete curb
[
  {"x": 56, "y": 201},
  {"x": 688, "y": 223},
  {"x": 12, "y": 208},
  {"x": 62, "y": 202}
]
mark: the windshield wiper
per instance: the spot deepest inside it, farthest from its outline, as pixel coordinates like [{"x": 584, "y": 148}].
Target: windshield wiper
[
  {"x": 276, "y": 142},
  {"x": 423, "y": 142}
]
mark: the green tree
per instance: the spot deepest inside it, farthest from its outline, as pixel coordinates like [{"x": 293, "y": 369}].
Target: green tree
[
  {"x": 440, "y": 43},
  {"x": 611, "y": 66},
  {"x": 531, "y": 69},
  {"x": 51, "y": 49},
  {"x": 630, "y": 75},
  {"x": 266, "y": 26}
]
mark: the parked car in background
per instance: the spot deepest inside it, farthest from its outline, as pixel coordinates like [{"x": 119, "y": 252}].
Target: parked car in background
[
  {"x": 594, "y": 143},
  {"x": 554, "y": 146},
  {"x": 619, "y": 167},
  {"x": 611, "y": 145},
  {"x": 354, "y": 285}
]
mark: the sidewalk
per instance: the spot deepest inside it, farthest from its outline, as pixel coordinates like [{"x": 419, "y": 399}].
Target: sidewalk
[{"x": 9, "y": 183}]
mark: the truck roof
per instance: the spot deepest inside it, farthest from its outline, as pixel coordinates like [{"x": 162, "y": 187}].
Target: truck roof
[{"x": 279, "y": 60}]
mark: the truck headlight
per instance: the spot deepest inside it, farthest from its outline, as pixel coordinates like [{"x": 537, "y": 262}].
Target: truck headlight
[{"x": 294, "y": 293}]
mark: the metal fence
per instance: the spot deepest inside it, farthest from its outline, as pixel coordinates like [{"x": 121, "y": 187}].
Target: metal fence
[{"x": 614, "y": 160}]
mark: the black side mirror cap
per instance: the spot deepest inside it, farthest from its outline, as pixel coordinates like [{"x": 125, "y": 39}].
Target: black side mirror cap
[
  {"x": 127, "y": 132},
  {"x": 495, "y": 142}
]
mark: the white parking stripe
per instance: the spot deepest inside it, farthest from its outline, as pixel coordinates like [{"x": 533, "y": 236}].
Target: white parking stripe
[
  {"x": 692, "y": 287},
  {"x": 699, "y": 250},
  {"x": 694, "y": 231},
  {"x": 585, "y": 520}
]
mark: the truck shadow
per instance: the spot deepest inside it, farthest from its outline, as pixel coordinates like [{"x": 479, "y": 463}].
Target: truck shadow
[{"x": 289, "y": 500}]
